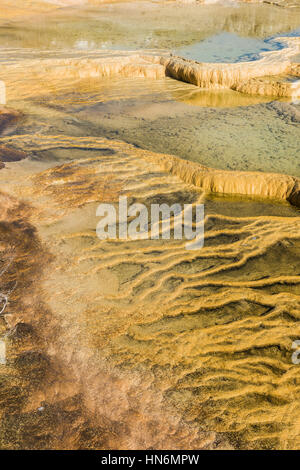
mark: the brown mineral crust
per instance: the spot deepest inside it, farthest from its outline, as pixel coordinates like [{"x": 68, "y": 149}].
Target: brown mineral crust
[{"x": 7, "y": 117}]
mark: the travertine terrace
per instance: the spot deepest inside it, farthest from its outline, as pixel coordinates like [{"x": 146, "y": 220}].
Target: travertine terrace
[
  {"x": 142, "y": 344},
  {"x": 241, "y": 76},
  {"x": 246, "y": 77}
]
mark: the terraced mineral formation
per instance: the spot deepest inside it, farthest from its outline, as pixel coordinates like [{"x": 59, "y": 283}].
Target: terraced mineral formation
[
  {"x": 242, "y": 76},
  {"x": 96, "y": 64},
  {"x": 246, "y": 77},
  {"x": 265, "y": 76},
  {"x": 265, "y": 185},
  {"x": 268, "y": 185},
  {"x": 205, "y": 335},
  {"x": 44, "y": 401},
  {"x": 138, "y": 344}
]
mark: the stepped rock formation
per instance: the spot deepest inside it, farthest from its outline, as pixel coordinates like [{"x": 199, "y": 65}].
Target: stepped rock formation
[
  {"x": 153, "y": 65},
  {"x": 48, "y": 400},
  {"x": 95, "y": 65},
  {"x": 241, "y": 76},
  {"x": 268, "y": 185},
  {"x": 264, "y": 185},
  {"x": 246, "y": 77},
  {"x": 147, "y": 344}
]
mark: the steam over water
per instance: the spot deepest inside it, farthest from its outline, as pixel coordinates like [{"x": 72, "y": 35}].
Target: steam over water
[{"x": 143, "y": 344}]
